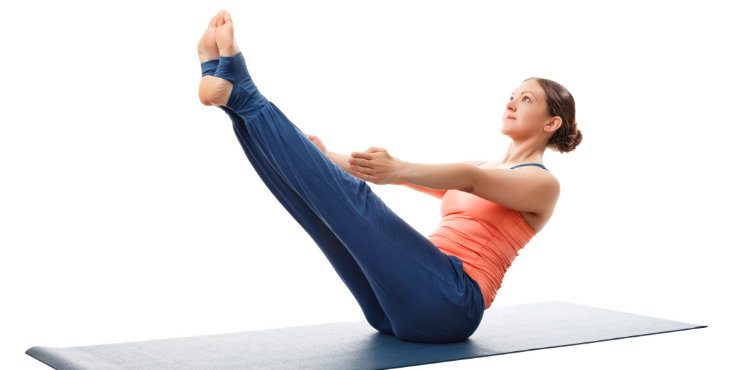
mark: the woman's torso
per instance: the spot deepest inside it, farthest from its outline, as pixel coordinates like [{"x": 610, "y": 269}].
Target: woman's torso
[{"x": 484, "y": 235}]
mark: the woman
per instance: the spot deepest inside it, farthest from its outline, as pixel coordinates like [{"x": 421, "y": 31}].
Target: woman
[{"x": 419, "y": 289}]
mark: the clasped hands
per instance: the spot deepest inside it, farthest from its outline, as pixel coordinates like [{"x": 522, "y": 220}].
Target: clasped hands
[{"x": 374, "y": 164}]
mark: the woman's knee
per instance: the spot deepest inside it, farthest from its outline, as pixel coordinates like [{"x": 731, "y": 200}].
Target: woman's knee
[
  {"x": 444, "y": 326},
  {"x": 381, "y": 324},
  {"x": 432, "y": 334}
]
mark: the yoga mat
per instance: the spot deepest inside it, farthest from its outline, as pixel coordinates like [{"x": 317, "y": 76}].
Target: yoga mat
[{"x": 355, "y": 345}]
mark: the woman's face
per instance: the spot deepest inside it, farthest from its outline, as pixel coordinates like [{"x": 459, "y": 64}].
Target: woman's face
[{"x": 526, "y": 112}]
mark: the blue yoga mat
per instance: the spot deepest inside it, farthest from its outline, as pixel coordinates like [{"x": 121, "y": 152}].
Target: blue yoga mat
[{"x": 355, "y": 345}]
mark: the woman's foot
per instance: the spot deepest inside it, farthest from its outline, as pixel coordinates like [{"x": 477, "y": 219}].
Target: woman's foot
[
  {"x": 207, "y": 47},
  {"x": 225, "y": 37},
  {"x": 218, "y": 40}
]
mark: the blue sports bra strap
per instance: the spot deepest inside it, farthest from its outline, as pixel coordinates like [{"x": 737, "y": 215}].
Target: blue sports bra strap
[{"x": 530, "y": 164}]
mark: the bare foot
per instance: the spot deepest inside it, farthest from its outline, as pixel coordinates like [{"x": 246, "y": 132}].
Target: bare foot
[
  {"x": 207, "y": 47},
  {"x": 225, "y": 37},
  {"x": 216, "y": 90}
]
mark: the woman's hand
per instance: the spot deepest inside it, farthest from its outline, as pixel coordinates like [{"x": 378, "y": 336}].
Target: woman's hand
[
  {"x": 376, "y": 165},
  {"x": 320, "y": 144}
]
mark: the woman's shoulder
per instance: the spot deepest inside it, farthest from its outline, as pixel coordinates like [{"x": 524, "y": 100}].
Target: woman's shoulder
[{"x": 538, "y": 172}]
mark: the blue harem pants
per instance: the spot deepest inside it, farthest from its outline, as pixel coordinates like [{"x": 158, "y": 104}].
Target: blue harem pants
[{"x": 404, "y": 284}]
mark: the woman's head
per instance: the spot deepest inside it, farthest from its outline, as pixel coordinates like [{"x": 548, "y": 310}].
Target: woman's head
[{"x": 542, "y": 109}]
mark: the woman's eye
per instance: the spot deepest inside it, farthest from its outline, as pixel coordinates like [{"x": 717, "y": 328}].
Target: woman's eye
[{"x": 526, "y": 97}]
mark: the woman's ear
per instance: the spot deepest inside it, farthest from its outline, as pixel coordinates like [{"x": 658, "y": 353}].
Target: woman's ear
[{"x": 553, "y": 124}]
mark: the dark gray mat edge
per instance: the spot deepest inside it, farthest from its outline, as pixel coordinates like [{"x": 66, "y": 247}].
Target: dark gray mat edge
[
  {"x": 558, "y": 346},
  {"x": 55, "y": 357}
]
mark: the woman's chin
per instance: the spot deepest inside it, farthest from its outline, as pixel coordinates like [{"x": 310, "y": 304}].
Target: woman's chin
[{"x": 505, "y": 131}]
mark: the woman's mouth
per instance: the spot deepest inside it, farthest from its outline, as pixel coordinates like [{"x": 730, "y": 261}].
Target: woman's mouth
[{"x": 510, "y": 117}]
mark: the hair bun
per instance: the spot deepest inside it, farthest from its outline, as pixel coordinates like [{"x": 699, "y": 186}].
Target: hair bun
[
  {"x": 560, "y": 103},
  {"x": 575, "y": 139}
]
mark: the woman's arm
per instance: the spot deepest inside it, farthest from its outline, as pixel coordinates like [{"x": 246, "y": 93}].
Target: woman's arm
[
  {"x": 457, "y": 176},
  {"x": 527, "y": 189},
  {"x": 377, "y": 166},
  {"x": 437, "y": 193},
  {"x": 342, "y": 160}
]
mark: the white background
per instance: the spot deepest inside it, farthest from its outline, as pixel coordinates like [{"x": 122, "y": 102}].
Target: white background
[{"x": 129, "y": 212}]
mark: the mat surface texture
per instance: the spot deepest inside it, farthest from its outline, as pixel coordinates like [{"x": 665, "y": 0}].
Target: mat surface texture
[{"x": 355, "y": 345}]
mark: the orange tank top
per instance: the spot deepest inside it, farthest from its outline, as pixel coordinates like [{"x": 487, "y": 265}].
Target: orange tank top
[{"x": 484, "y": 235}]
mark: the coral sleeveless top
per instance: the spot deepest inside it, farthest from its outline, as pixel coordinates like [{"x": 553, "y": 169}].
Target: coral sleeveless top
[{"x": 484, "y": 235}]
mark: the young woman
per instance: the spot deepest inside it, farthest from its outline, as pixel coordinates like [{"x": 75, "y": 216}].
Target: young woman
[{"x": 420, "y": 289}]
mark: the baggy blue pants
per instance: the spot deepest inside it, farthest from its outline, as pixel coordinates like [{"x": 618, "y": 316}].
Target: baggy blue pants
[{"x": 404, "y": 284}]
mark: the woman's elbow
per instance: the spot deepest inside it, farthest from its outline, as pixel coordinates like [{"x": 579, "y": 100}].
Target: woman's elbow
[{"x": 471, "y": 179}]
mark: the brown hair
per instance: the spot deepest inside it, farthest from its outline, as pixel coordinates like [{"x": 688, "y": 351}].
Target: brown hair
[{"x": 561, "y": 103}]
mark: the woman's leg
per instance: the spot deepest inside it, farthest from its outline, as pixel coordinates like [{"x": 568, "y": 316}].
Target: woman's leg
[
  {"x": 337, "y": 254},
  {"x": 345, "y": 266},
  {"x": 424, "y": 293}
]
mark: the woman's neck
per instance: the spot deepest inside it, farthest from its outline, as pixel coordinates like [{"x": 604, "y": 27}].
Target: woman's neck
[{"x": 523, "y": 152}]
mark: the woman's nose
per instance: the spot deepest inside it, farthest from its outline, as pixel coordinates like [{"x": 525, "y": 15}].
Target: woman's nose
[{"x": 511, "y": 105}]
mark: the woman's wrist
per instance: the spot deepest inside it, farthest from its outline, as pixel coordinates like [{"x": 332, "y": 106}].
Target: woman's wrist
[
  {"x": 402, "y": 170},
  {"x": 341, "y": 160}
]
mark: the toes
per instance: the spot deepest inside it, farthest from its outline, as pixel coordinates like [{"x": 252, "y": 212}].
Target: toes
[
  {"x": 207, "y": 47},
  {"x": 225, "y": 38},
  {"x": 220, "y": 17},
  {"x": 229, "y": 26}
]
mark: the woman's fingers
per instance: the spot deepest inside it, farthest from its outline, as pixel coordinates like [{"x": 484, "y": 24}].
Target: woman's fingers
[
  {"x": 363, "y": 170},
  {"x": 362, "y": 155},
  {"x": 369, "y": 166},
  {"x": 360, "y": 162},
  {"x": 374, "y": 165},
  {"x": 360, "y": 175}
]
